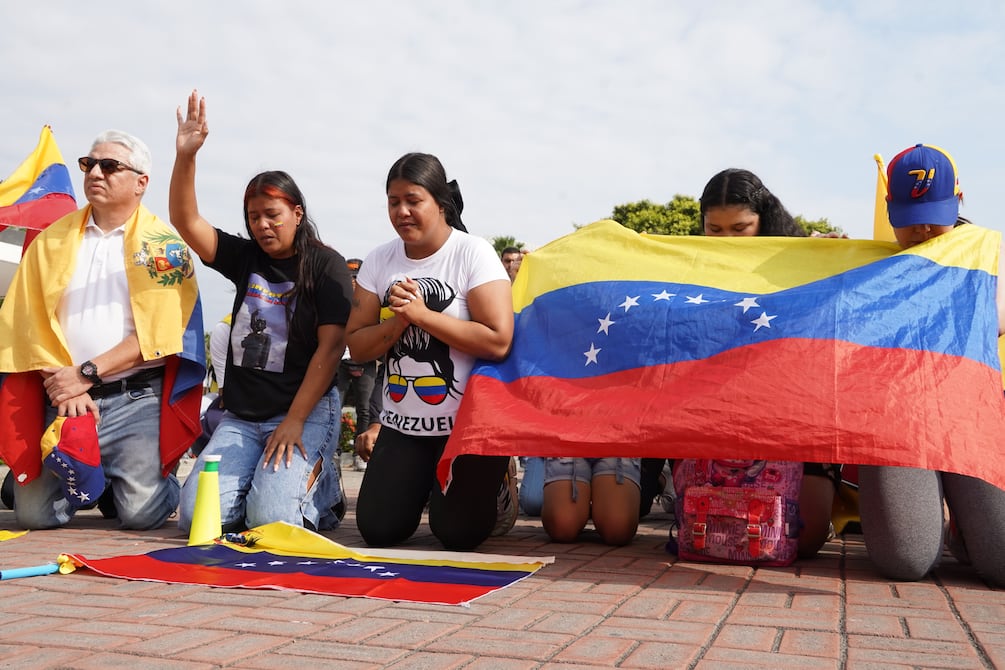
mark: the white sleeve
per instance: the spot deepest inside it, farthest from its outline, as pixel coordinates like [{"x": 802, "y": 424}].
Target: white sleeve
[
  {"x": 219, "y": 342},
  {"x": 485, "y": 263}
]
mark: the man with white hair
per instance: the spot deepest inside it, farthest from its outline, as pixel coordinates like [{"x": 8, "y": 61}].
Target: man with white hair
[{"x": 103, "y": 320}]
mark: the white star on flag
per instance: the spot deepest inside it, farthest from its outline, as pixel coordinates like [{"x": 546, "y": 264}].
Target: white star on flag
[
  {"x": 244, "y": 565},
  {"x": 605, "y": 323},
  {"x": 663, "y": 295},
  {"x": 762, "y": 321},
  {"x": 591, "y": 355},
  {"x": 277, "y": 562},
  {"x": 746, "y": 304},
  {"x": 696, "y": 300},
  {"x": 630, "y": 302}
]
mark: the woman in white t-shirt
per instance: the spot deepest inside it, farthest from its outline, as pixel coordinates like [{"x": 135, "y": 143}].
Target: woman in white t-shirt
[{"x": 430, "y": 302}]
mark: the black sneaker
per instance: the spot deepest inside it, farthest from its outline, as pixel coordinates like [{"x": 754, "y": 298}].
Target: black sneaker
[
  {"x": 507, "y": 499},
  {"x": 106, "y": 504},
  {"x": 339, "y": 508},
  {"x": 7, "y": 490}
]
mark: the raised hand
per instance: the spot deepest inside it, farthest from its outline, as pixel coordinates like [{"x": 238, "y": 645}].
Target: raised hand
[{"x": 192, "y": 127}]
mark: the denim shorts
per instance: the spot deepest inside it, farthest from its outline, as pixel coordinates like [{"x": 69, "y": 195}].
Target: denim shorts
[{"x": 585, "y": 469}]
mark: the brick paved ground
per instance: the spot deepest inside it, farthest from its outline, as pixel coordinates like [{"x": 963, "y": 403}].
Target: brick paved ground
[{"x": 631, "y": 607}]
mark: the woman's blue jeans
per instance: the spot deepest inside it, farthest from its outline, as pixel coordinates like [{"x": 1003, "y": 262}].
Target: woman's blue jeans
[{"x": 251, "y": 496}]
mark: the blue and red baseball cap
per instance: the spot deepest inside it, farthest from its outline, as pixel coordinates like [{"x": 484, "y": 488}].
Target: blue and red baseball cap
[{"x": 923, "y": 188}]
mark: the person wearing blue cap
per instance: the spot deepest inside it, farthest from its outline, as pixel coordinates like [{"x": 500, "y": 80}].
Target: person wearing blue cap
[{"x": 902, "y": 508}]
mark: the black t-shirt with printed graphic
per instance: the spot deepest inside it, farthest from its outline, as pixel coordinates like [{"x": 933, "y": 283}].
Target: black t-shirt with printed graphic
[{"x": 269, "y": 352}]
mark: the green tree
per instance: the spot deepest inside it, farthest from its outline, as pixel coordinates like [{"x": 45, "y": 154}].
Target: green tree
[
  {"x": 682, "y": 216},
  {"x": 501, "y": 242},
  {"x": 821, "y": 226}
]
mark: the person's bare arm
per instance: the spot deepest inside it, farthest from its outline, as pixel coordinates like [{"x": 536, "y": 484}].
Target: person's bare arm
[
  {"x": 367, "y": 336},
  {"x": 62, "y": 384},
  {"x": 489, "y": 332},
  {"x": 183, "y": 208},
  {"x": 288, "y": 435}
]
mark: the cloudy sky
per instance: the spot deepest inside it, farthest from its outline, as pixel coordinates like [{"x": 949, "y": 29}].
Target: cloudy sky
[{"x": 548, "y": 113}]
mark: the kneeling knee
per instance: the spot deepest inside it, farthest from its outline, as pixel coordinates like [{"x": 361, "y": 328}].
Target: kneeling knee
[{"x": 34, "y": 519}]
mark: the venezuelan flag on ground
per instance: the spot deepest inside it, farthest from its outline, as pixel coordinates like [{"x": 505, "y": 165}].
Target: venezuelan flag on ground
[
  {"x": 39, "y": 191},
  {"x": 285, "y": 557},
  {"x": 818, "y": 349}
]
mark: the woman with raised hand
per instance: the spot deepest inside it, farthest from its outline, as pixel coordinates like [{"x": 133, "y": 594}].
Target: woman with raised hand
[{"x": 279, "y": 433}]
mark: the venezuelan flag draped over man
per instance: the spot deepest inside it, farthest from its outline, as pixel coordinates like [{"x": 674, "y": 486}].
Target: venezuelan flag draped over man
[
  {"x": 167, "y": 312},
  {"x": 39, "y": 191},
  {"x": 821, "y": 350}
]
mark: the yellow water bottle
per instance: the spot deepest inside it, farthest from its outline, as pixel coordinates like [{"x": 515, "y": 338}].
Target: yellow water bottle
[{"x": 206, "y": 525}]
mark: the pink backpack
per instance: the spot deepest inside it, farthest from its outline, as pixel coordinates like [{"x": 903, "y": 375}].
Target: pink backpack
[{"x": 736, "y": 511}]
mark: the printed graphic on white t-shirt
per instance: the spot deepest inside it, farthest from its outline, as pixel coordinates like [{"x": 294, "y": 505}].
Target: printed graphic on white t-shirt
[{"x": 420, "y": 371}]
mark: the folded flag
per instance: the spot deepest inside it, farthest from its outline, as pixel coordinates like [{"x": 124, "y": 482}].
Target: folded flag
[
  {"x": 39, "y": 191},
  {"x": 820, "y": 350},
  {"x": 282, "y": 556},
  {"x": 70, "y": 450},
  {"x": 11, "y": 534}
]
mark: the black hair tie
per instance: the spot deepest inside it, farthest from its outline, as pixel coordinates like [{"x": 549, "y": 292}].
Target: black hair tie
[{"x": 458, "y": 202}]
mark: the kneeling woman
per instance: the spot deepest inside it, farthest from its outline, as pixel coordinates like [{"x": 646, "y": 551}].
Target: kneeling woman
[
  {"x": 604, "y": 489},
  {"x": 279, "y": 432},
  {"x": 429, "y": 302}
]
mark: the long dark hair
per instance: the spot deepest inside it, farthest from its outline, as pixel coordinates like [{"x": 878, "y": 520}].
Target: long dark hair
[
  {"x": 743, "y": 187},
  {"x": 427, "y": 171},
  {"x": 306, "y": 242}
]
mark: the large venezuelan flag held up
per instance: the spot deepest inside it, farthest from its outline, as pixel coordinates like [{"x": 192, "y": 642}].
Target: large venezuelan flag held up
[
  {"x": 285, "y": 557},
  {"x": 818, "y": 349},
  {"x": 39, "y": 191}
]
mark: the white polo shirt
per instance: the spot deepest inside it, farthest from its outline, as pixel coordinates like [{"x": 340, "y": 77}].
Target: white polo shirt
[{"x": 94, "y": 312}]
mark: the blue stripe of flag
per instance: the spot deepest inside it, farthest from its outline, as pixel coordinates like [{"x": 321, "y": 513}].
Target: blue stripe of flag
[
  {"x": 221, "y": 556},
  {"x": 905, "y": 301},
  {"x": 54, "y": 179}
]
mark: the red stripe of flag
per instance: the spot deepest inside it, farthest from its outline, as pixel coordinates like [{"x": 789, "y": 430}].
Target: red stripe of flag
[
  {"x": 807, "y": 400},
  {"x": 143, "y": 567}
]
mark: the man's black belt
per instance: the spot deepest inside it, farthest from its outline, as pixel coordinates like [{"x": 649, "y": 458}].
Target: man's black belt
[{"x": 140, "y": 380}]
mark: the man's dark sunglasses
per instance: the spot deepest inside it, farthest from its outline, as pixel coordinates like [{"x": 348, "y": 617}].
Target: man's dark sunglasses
[{"x": 107, "y": 165}]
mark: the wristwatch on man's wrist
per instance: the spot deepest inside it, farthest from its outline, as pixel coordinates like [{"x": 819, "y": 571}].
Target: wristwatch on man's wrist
[{"x": 89, "y": 371}]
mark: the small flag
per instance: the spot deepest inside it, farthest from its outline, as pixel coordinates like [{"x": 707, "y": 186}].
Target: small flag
[
  {"x": 70, "y": 450},
  {"x": 881, "y": 228},
  {"x": 39, "y": 191},
  {"x": 11, "y": 534}
]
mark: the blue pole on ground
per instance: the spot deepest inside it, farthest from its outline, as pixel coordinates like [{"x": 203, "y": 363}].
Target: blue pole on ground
[{"x": 36, "y": 571}]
